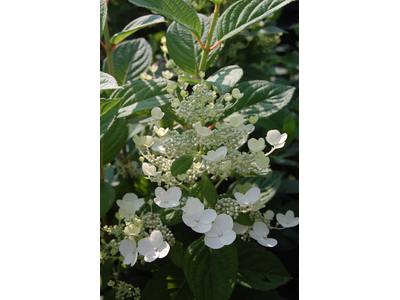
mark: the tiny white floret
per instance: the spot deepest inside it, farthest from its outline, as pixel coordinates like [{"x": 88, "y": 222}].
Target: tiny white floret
[
  {"x": 248, "y": 199},
  {"x": 157, "y": 113},
  {"x": 216, "y": 155},
  {"x": 153, "y": 247},
  {"x": 236, "y": 121},
  {"x": 262, "y": 161},
  {"x": 236, "y": 93},
  {"x": 169, "y": 198},
  {"x": 287, "y": 220},
  {"x": 160, "y": 131},
  {"x": 196, "y": 217},
  {"x": 148, "y": 169},
  {"x": 221, "y": 232},
  {"x": 128, "y": 250},
  {"x": 260, "y": 234},
  {"x": 276, "y": 139}
]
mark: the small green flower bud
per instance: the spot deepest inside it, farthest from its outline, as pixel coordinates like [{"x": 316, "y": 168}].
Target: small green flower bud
[
  {"x": 163, "y": 40},
  {"x": 141, "y": 159},
  {"x": 118, "y": 216},
  {"x": 202, "y": 74},
  {"x": 184, "y": 93},
  {"x": 150, "y": 202},
  {"x": 253, "y": 119},
  {"x": 111, "y": 283}
]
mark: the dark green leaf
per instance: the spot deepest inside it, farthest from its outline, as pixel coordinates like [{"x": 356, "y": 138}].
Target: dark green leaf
[
  {"x": 176, "y": 253},
  {"x": 130, "y": 59},
  {"x": 185, "y": 50},
  {"x": 224, "y": 79},
  {"x": 141, "y": 95},
  {"x": 113, "y": 140},
  {"x": 244, "y": 13},
  {"x": 177, "y": 10},
  {"x": 107, "y": 197},
  {"x": 261, "y": 98},
  {"x": 241, "y": 293},
  {"x": 244, "y": 219},
  {"x": 211, "y": 274},
  {"x": 205, "y": 191},
  {"x": 170, "y": 216},
  {"x": 260, "y": 269},
  {"x": 136, "y": 25},
  {"x": 181, "y": 164}
]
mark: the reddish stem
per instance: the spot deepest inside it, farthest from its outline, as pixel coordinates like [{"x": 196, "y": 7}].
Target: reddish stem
[
  {"x": 104, "y": 45},
  {"x": 215, "y": 45},
  {"x": 211, "y": 126},
  {"x": 187, "y": 127}
]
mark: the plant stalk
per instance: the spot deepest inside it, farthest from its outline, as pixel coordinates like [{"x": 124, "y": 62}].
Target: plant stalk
[
  {"x": 206, "y": 51},
  {"x": 110, "y": 61}
]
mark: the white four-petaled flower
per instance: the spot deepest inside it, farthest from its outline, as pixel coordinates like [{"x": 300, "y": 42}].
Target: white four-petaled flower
[
  {"x": 287, "y": 220},
  {"x": 129, "y": 204},
  {"x": 160, "y": 131},
  {"x": 221, "y": 232},
  {"x": 148, "y": 169},
  {"x": 236, "y": 120},
  {"x": 216, "y": 155},
  {"x": 127, "y": 248},
  {"x": 276, "y": 139},
  {"x": 251, "y": 196},
  {"x": 169, "y": 198},
  {"x": 153, "y": 247},
  {"x": 260, "y": 234},
  {"x": 201, "y": 130},
  {"x": 143, "y": 140},
  {"x": 261, "y": 160},
  {"x": 196, "y": 217}
]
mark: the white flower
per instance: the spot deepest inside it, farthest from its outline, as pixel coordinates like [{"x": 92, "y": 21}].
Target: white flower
[
  {"x": 196, "y": 217},
  {"x": 181, "y": 177},
  {"x": 261, "y": 160},
  {"x": 175, "y": 103},
  {"x": 269, "y": 215},
  {"x": 157, "y": 146},
  {"x": 260, "y": 233},
  {"x": 129, "y": 204},
  {"x": 143, "y": 140},
  {"x": 253, "y": 119},
  {"x": 216, "y": 155},
  {"x": 160, "y": 131},
  {"x": 153, "y": 247},
  {"x": 256, "y": 145},
  {"x": 127, "y": 248},
  {"x": 226, "y": 166},
  {"x": 276, "y": 139},
  {"x": 239, "y": 228},
  {"x": 202, "y": 131},
  {"x": 287, "y": 220},
  {"x": 167, "y": 74},
  {"x": 153, "y": 68},
  {"x": 227, "y": 97},
  {"x": 246, "y": 128},
  {"x": 236, "y": 121},
  {"x": 166, "y": 199},
  {"x": 156, "y": 113},
  {"x": 221, "y": 233},
  {"x": 148, "y": 169},
  {"x": 236, "y": 94},
  {"x": 251, "y": 196},
  {"x": 132, "y": 230}
]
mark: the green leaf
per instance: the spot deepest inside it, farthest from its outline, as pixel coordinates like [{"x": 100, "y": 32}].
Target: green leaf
[
  {"x": 107, "y": 197},
  {"x": 141, "y": 95},
  {"x": 260, "y": 269},
  {"x": 241, "y": 293},
  {"x": 103, "y": 16},
  {"x": 170, "y": 216},
  {"x": 136, "y": 25},
  {"x": 262, "y": 98},
  {"x": 268, "y": 187},
  {"x": 176, "y": 10},
  {"x": 244, "y": 219},
  {"x": 211, "y": 274},
  {"x": 107, "y": 82},
  {"x": 113, "y": 140},
  {"x": 224, "y": 79},
  {"x": 176, "y": 253},
  {"x": 130, "y": 59},
  {"x": 168, "y": 283},
  {"x": 181, "y": 164},
  {"x": 108, "y": 112},
  {"x": 185, "y": 50},
  {"x": 242, "y": 14},
  {"x": 205, "y": 191}
]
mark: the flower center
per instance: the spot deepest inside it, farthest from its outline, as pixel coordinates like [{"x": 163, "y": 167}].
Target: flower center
[
  {"x": 220, "y": 234},
  {"x": 155, "y": 249},
  {"x": 166, "y": 201},
  {"x": 265, "y": 236},
  {"x": 197, "y": 219}
]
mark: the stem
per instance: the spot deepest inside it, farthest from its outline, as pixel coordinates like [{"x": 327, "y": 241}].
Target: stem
[
  {"x": 272, "y": 150},
  {"x": 218, "y": 183},
  {"x": 206, "y": 51},
  {"x": 108, "y": 51},
  {"x": 184, "y": 187}
]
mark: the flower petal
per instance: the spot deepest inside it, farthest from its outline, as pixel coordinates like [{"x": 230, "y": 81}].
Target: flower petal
[
  {"x": 253, "y": 194},
  {"x": 241, "y": 199},
  {"x": 130, "y": 197},
  {"x": 228, "y": 237},
  {"x": 268, "y": 242},
  {"x": 273, "y": 137},
  {"x": 194, "y": 207},
  {"x": 213, "y": 242},
  {"x": 174, "y": 193},
  {"x": 289, "y": 216},
  {"x": 125, "y": 248},
  {"x": 188, "y": 220},
  {"x": 283, "y": 138},
  {"x": 224, "y": 223},
  {"x": 255, "y": 235},
  {"x": 160, "y": 193},
  {"x": 150, "y": 256},
  {"x": 201, "y": 227},
  {"x": 260, "y": 228},
  {"x": 134, "y": 258},
  {"x": 208, "y": 216},
  {"x": 213, "y": 232},
  {"x": 295, "y": 222},
  {"x": 144, "y": 246},
  {"x": 128, "y": 259},
  {"x": 163, "y": 250},
  {"x": 156, "y": 238},
  {"x": 281, "y": 219},
  {"x": 239, "y": 228}
]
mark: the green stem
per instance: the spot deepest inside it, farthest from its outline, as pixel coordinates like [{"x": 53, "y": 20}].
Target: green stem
[
  {"x": 206, "y": 51},
  {"x": 218, "y": 183},
  {"x": 108, "y": 50}
]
